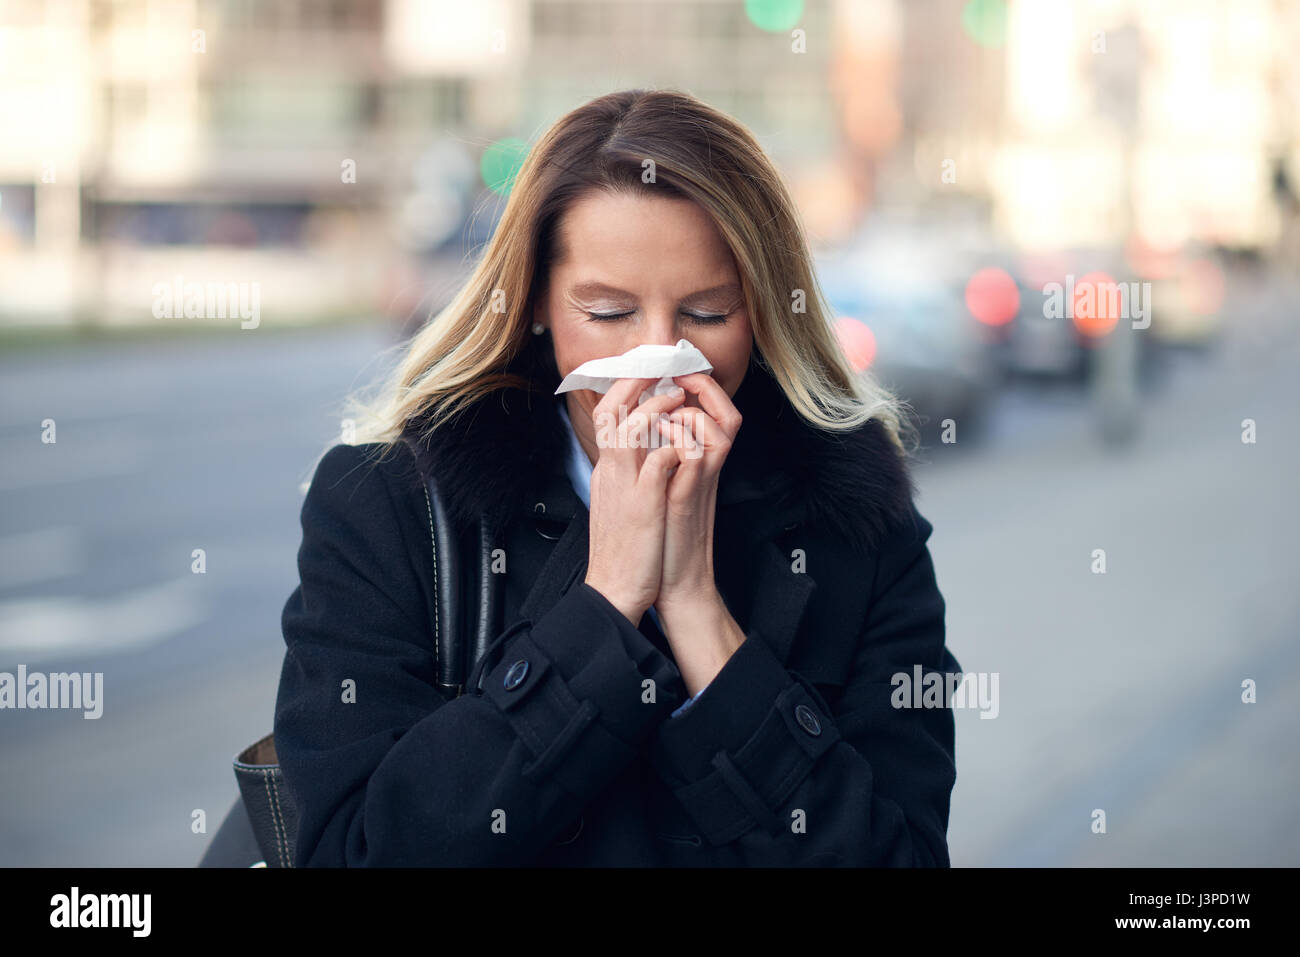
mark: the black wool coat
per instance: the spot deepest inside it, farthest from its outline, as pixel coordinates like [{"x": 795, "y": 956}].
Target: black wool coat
[{"x": 792, "y": 756}]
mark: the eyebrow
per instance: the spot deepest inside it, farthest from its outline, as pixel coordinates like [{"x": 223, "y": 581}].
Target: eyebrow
[{"x": 593, "y": 288}]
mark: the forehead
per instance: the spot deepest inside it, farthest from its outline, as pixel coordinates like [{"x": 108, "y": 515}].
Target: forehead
[{"x": 625, "y": 238}]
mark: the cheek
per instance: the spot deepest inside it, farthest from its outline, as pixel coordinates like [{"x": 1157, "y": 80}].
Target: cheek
[
  {"x": 581, "y": 342},
  {"x": 728, "y": 350}
]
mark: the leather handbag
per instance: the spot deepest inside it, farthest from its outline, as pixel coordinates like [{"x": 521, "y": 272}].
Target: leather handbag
[{"x": 261, "y": 828}]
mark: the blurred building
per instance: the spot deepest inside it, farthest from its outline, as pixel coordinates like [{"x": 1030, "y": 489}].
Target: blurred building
[
  {"x": 197, "y": 139},
  {"x": 304, "y": 144},
  {"x": 1160, "y": 121},
  {"x": 331, "y": 150}
]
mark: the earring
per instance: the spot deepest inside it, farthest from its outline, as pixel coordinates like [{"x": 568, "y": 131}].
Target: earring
[{"x": 538, "y": 328}]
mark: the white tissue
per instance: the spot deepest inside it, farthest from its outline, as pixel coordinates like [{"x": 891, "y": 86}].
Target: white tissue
[{"x": 643, "y": 362}]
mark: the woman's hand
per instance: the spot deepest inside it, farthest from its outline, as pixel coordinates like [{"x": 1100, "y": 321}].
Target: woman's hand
[
  {"x": 702, "y": 438},
  {"x": 629, "y": 497},
  {"x": 699, "y": 628}
]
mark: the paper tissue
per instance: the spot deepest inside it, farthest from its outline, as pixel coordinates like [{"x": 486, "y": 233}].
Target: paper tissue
[{"x": 643, "y": 362}]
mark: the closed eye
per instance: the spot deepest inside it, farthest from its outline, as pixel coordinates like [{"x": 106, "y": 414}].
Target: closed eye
[{"x": 703, "y": 319}]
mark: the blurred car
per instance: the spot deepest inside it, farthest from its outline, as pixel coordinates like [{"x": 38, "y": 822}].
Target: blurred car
[
  {"x": 906, "y": 289},
  {"x": 1046, "y": 340},
  {"x": 1035, "y": 342},
  {"x": 1187, "y": 294}
]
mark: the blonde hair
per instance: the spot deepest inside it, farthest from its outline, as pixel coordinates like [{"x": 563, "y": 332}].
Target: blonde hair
[{"x": 698, "y": 153}]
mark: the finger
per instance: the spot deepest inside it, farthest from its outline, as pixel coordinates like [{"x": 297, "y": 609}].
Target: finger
[
  {"x": 673, "y": 437},
  {"x": 657, "y": 470},
  {"x": 706, "y": 430},
  {"x": 662, "y": 403},
  {"x": 639, "y": 426},
  {"x": 714, "y": 444},
  {"x": 609, "y": 419},
  {"x": 621, "y": 395},
  {"x": 690, "y": 475},
  {"x": 642, "y": 421},
  {"x": 690, "y": 452},
  {"x": 713, "y": 399}
]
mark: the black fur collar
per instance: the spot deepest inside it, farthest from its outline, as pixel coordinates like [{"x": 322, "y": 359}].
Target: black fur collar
[{"x": 496, "y": 456}]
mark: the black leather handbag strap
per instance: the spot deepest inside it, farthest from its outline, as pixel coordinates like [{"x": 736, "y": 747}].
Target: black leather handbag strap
[
  {"x": 448, "y": 641},
  {"x": 267, "y": 804},
  {"x": 457, "y": 649},
  {"x": 490, "y": 584}
]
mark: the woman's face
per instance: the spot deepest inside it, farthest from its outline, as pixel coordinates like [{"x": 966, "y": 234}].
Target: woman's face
[{"x": 659, "y": 267}]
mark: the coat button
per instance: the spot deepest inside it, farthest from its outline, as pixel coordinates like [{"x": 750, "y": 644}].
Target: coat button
[
  {"x": 574, "y": 836},
  {"x": 539, "y": 510},
  {"x": 807, "y": 720},
  {"x": 515, "y": 676}
]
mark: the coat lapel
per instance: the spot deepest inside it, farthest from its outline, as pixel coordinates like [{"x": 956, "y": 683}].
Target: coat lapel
[
  {"x": 562, "y": 569},
  {"x": 779, "y": 599}
]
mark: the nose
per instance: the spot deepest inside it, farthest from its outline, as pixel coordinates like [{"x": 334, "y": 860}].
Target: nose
[{"x": 661, "y": 328}]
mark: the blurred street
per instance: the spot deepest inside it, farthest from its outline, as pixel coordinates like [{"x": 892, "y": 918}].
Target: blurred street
[
  {"x": 1123, "y": 691},
  {"x": 1119, "y": 691}
]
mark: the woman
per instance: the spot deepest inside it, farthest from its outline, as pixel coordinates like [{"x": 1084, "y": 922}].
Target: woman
[{"x": 703, "y": 627}]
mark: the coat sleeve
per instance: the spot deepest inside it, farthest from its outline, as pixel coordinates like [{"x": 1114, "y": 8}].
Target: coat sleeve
[
  {"x": 384, "y": 770},
  {"x": 772, "y": 777}
]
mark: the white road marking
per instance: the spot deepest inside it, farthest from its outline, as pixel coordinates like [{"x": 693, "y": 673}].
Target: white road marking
[{"x": 38, "y": 630}]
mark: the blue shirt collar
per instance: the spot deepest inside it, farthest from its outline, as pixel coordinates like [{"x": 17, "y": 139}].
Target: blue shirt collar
[{"x": 577, "y": 464}]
